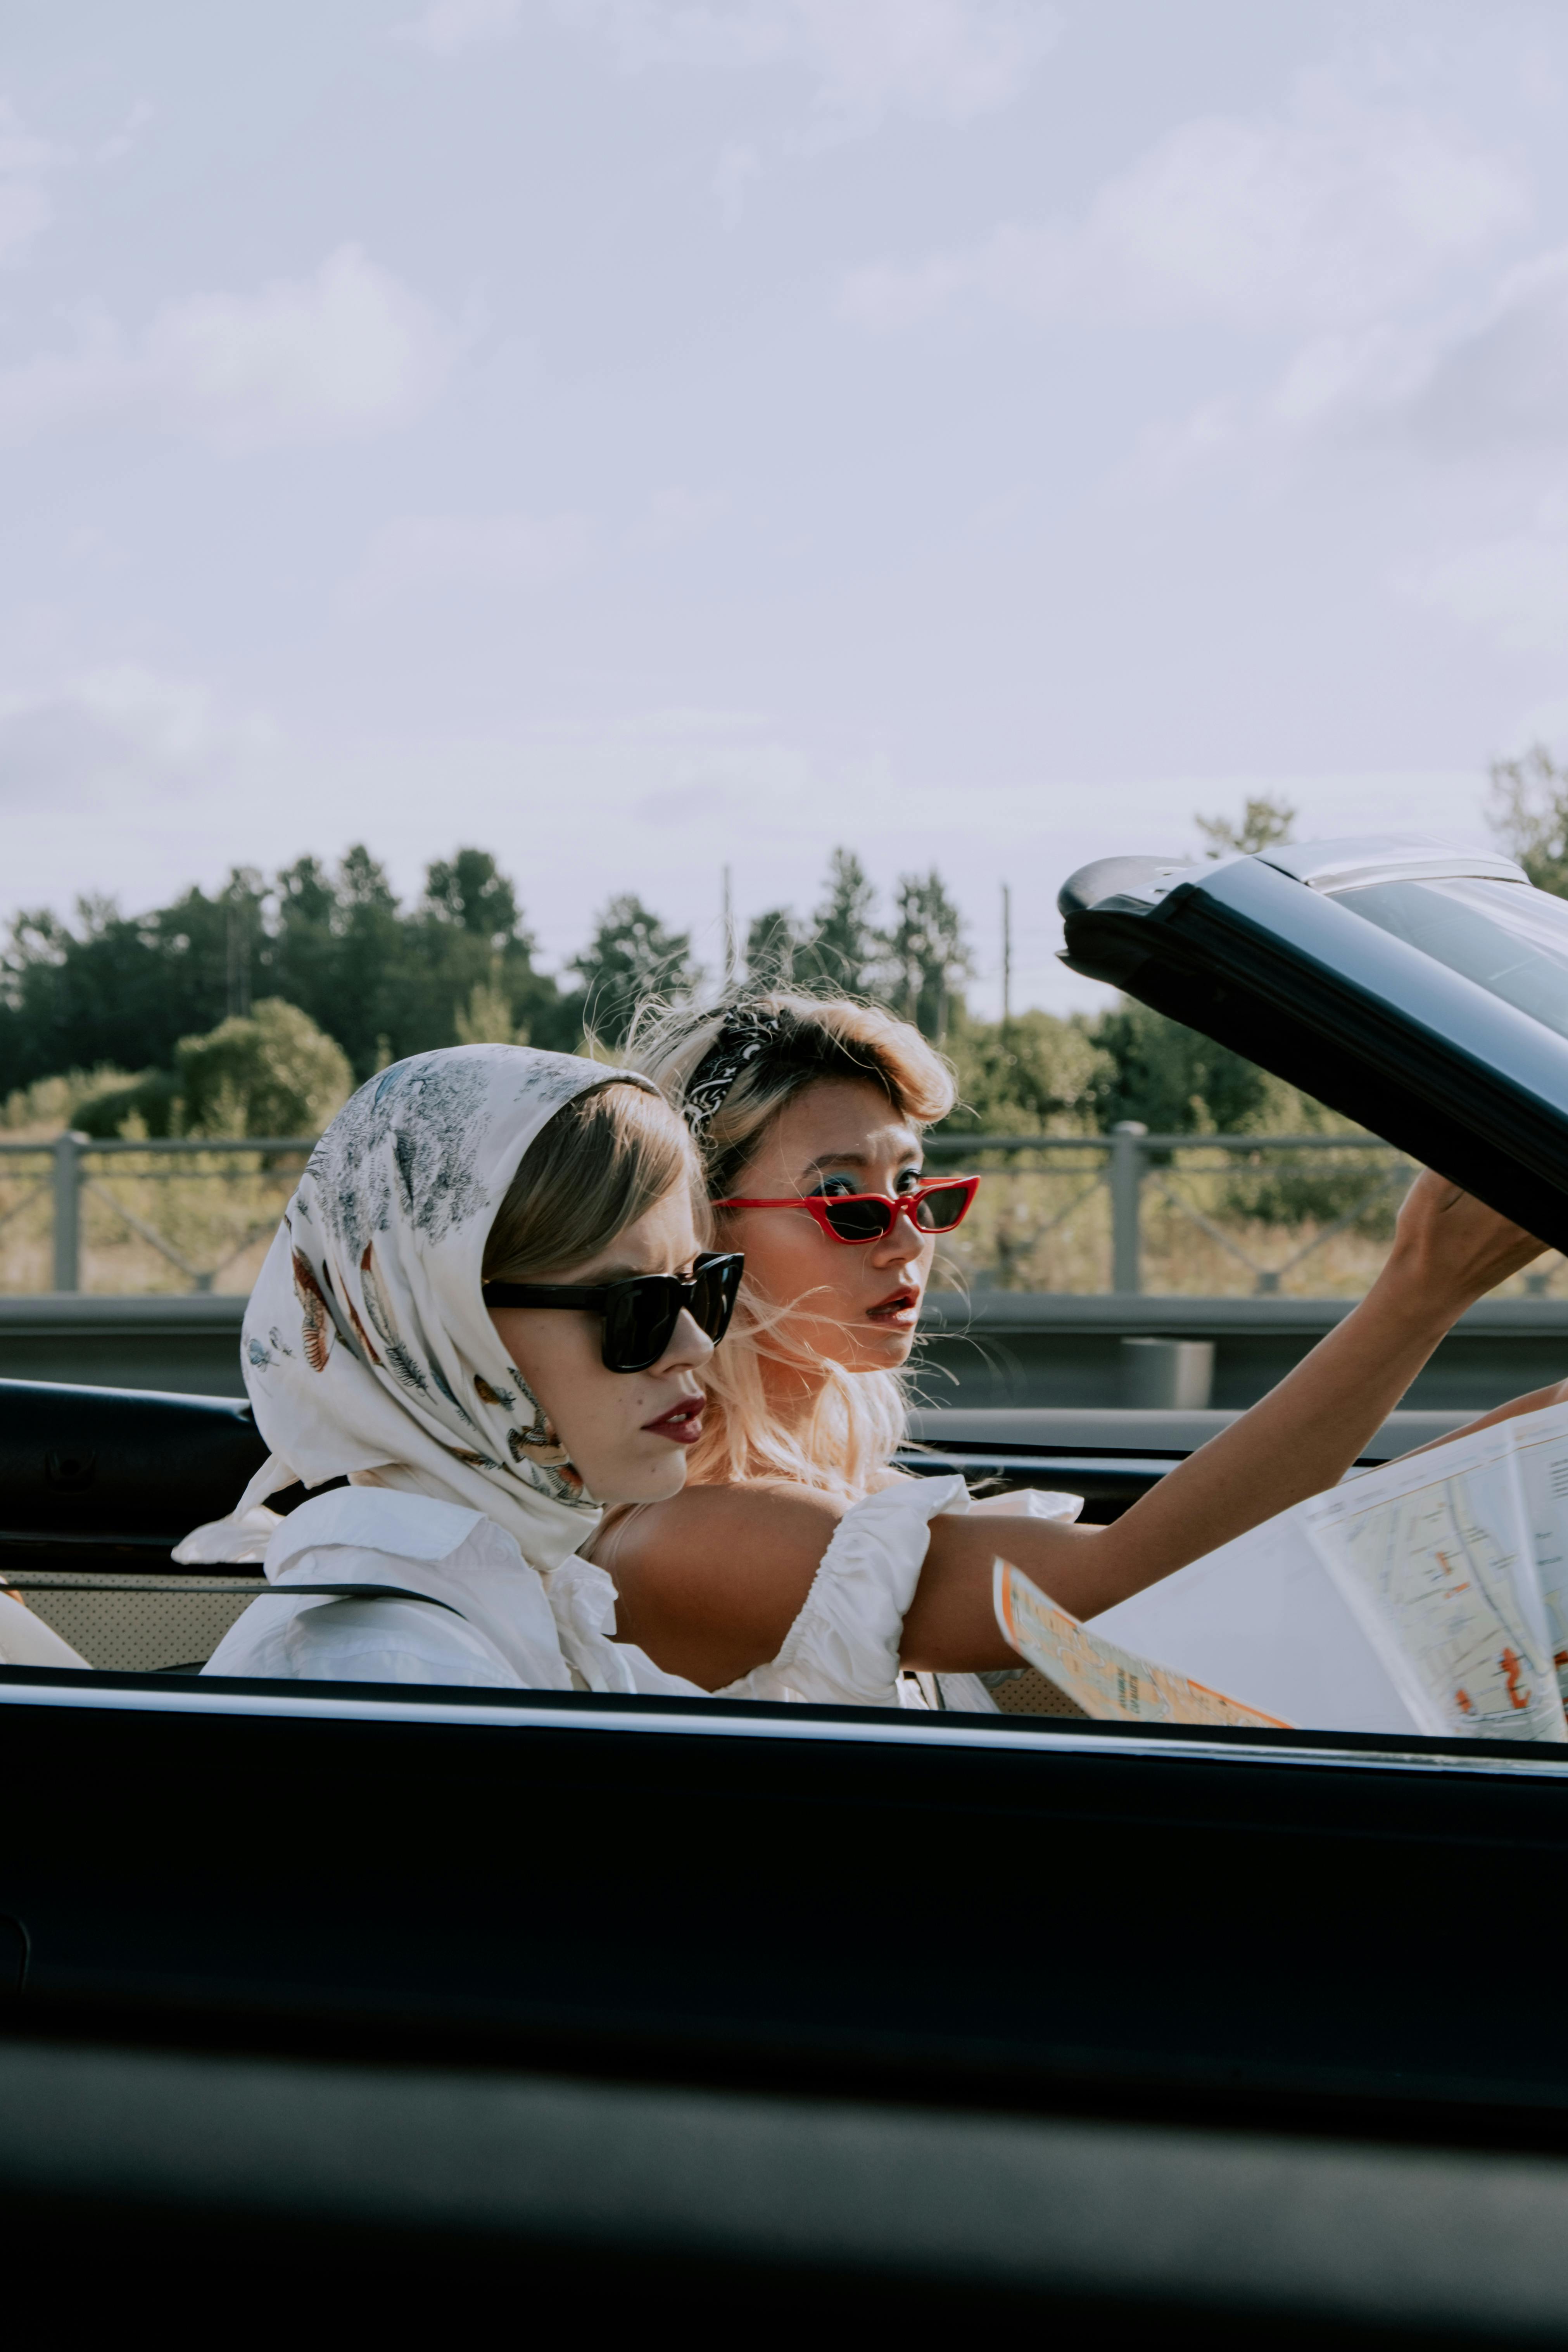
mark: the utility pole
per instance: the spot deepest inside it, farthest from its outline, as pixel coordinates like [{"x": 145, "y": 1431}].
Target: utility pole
[
  {"x": 1006, "y": 955},
  {"x": 237, "y": 940},
  {"x": 730, "y": 958}
]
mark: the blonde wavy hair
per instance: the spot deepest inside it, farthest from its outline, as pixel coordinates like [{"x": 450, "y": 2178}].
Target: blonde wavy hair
[{"x": 846, "y": 1441}]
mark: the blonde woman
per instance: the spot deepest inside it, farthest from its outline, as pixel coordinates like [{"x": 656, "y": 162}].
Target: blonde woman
[{"x": 796, "y": 1563}]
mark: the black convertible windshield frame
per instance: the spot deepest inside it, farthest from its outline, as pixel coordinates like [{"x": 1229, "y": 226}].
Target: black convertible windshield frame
[{"x": 1430, "y": 1006}]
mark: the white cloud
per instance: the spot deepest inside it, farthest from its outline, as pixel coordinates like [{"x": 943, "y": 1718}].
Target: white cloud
[
  {"x": 25, "y": 162},
  {"x": 676, "y": 516},
  {"x": 499, "y": 554},
  {"x": 1490, "y": 384},
  {"x": 345, "y": 352},
  {"x": 1323, "y": 217},
  {"x": 738, "y": 164},
  {"x": 111, "y": 731},
  {"x": 947, "y": 60},
  {"x": 450, "y": 25},
  {"x": 121, "y": 143},
  {"x": 1505, "y": 384},
  {"x": 1544, "y": 721},
  {"x": 1513, "y": 589}
]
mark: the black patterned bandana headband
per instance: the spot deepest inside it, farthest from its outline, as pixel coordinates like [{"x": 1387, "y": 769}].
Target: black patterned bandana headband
[{"x": 738, "y": 1042}]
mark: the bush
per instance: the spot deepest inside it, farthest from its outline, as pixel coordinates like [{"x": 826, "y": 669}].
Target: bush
[
  {"x": 49, "y": 1105},
  {"x": 1032, "y": 1076},
  {"x": 1175, "y": 1082},
  {"x": 274, "y": 1073},
  {"x": 149, "y": 1105}
]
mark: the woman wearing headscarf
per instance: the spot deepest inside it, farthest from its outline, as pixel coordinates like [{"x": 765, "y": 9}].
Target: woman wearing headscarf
[
  {"x": 797, "y": 1563},
  {"x": 486, "y": 1308}
]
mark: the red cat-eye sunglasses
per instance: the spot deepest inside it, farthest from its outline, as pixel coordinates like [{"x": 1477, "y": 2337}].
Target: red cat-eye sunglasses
[{"x": 933, "y": 1208}]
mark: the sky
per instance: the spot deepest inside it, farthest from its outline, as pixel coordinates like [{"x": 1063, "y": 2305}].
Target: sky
[{"x": 644, "y": 436}]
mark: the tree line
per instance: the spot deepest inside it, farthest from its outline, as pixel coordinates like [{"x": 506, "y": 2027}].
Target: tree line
[
  {"x": 386, "y": 980},
  {"x": 248, "y": 1009},
  {"x": 175, "y": 1018}
]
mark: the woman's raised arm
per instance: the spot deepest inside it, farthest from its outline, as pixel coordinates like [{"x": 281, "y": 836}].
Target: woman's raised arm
[
  {"x": 710, "y": 1583},
  {"x": 1298, "y": 1439}
]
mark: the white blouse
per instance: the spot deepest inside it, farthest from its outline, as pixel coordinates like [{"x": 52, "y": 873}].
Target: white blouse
[
  {"x": 504, "y": 1624},
  {"x": 499, "y": 1623}
]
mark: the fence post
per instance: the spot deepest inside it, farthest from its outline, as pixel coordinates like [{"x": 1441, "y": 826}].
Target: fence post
[
  {"x": 1126, "y": 1191},
  {"x": 68, "y": 1211}
]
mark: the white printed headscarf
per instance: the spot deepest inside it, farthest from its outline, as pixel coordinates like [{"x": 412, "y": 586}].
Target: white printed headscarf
[{"x": 366, "y": 1346}]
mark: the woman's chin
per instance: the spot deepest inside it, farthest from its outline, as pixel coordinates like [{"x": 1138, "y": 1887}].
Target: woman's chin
[
  {"x": 879, "y": 1348},
  {"x": 650, "y": 1477},
  {"x": 863, "y": 1347}
]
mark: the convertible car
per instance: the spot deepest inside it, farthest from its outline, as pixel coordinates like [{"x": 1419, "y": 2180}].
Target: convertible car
[{"x": 678, "y": 2007}]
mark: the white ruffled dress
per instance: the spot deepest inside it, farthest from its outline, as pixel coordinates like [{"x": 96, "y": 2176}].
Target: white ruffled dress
[{"x": 500, "y": 1622}]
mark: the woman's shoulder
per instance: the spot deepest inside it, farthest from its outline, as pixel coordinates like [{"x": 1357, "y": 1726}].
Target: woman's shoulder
[
  {"x": 720, "y": 1521},
  {"x": 748, "y": 1521},
  {"x": 711, "y": 1581}
]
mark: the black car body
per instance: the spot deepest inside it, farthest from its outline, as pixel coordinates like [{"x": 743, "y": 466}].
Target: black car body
[{"x": 668, "y": 2003}]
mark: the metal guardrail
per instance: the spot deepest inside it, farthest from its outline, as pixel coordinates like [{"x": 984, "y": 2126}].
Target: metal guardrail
[
  {"x": 66, "y": 1169},
  {"x": 1125, "y": 1199},
  {"x": 1130, "y": 1165}
]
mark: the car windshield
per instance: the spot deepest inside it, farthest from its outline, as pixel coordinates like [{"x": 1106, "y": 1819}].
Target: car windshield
[{"x": 1508, "y": 939}]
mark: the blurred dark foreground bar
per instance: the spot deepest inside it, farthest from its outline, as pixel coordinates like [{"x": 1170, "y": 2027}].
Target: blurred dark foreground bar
[{"x": 281, "y": 2179}]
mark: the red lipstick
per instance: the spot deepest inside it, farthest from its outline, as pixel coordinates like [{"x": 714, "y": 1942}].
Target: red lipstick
[
  {"x": 682, "y": 1423},
  {"x": 901, "y": 1307}
]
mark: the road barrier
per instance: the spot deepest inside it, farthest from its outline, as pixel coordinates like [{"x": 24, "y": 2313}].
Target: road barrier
[
  {"x": 995, "y": 1350},
  {"x": 1126, "y": 1212},
  {"x": 1260, "y": 1216},
  {"x": 1124, "y": 1270},
  {"x": 127, "y": 1212}
]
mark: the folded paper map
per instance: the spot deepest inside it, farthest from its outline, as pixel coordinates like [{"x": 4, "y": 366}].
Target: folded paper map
[
  {"x": 1438, "y": 1559},
  {"x": 1108, "y": 1683},
  {"x": 1428, "y": 1596}
]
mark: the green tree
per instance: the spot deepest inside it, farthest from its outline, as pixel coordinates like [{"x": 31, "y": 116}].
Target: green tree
[
  {"x": 267, "y": 1072},
  {"x": 1176, "y": 1082},
  {"x": 842, "y": 949},
  {"x": 1034, "y": 1075},
  {"x": 1265, "y": 825},
  {"x": 1528, "y": 811},
  {"x": 630, "y": 956},
  {"x": 471, "y": 892},
  {"x": 927, "y": 957},
  {"x": 487, "y": 1018},
  {"x": 122, "y": 989},
  {"x": 773, "y": 945},
  {"x": 373, "y": 984},
  {"x": 305, "y": 953},
  {"x": 1171, "y": 1079},
  {"x": 472, "y": 960},
  {"x": 110, "y": 990}
]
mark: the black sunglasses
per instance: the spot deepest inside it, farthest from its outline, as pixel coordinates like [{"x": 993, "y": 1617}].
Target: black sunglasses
[{"x": 641, "y": 1313}]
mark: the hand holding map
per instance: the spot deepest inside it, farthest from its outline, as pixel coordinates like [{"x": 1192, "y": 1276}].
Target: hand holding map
[
  {"x": 1429, "y": 1596},
  {"x": 1438, "y": 1558}
]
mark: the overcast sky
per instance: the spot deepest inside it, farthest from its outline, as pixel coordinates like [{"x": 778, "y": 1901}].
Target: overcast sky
[{"x": 635, "y": 435}]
